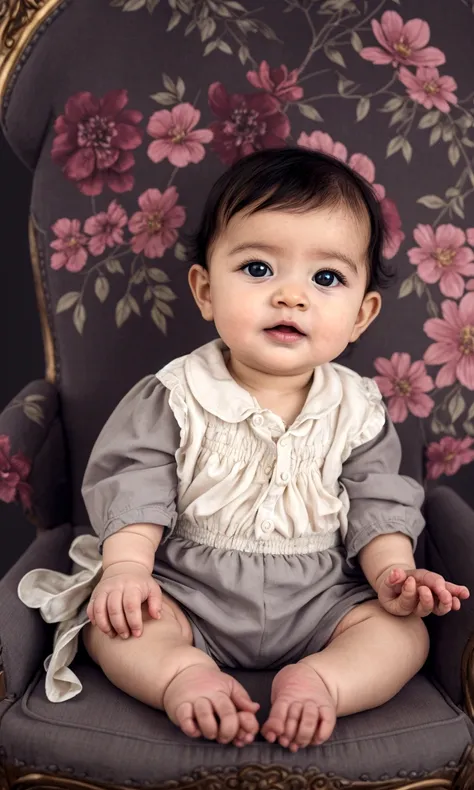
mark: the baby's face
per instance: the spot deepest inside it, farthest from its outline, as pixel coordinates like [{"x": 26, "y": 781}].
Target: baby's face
[{"x": 287, "y": 290}]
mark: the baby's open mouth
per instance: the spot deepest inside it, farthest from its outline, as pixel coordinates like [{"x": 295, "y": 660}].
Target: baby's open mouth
[{"x": 285, "y": 332}]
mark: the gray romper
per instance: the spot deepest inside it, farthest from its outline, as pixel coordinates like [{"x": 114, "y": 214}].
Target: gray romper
[{"x": 263, "y": 522}]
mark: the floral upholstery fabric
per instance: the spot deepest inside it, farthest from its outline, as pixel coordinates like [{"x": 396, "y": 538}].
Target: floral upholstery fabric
[{"x": 159, "y": 97}]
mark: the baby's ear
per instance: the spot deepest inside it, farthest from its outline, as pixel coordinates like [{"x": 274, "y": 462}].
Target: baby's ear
[
  {"x": 368, "y": 312},
  {"x": 198, "y": 279}
]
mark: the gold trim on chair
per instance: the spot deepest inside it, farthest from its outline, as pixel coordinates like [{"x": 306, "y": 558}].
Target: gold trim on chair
[
  {"x": 19, "y": 21},
  {"x": 48, "y": 341}
]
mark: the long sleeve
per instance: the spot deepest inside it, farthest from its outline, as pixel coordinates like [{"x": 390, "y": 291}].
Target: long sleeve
[
  {"x": 131, "y": 475},
  {"x": 381, "y": 500}
]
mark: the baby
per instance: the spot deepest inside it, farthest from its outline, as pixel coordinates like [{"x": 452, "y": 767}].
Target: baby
[{"x": 247, "y": 496}]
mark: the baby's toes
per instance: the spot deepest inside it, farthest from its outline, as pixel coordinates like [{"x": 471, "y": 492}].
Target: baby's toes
[{"x": 326, "y": 724}]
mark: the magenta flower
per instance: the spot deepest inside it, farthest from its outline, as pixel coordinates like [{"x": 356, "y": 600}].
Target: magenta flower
[
  {"x": 402, "y": 43},
  {"x": 154, "y": 226},
  {"x": 454, "y": 349},
  {"x": 447, "y": 456},
  {"x": 247, "y": 123},
  {"x": 14, "y": 471},
  {"x": 442, "y": 257},
  {"x": 94, "y": 141},
  {"x": 320, "y": 141},
  {"x": 428, "y": 88},
  {"x": 176, "y": 138},
  {"x": 405, "y": 384},
  {"x": 70, "y": 246},
  {"x": 280, "y": 83},
  {"x": 106, "y": 228}
]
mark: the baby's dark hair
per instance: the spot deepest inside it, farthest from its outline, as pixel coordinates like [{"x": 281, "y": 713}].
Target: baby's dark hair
[{"x": 293, "y": 179}]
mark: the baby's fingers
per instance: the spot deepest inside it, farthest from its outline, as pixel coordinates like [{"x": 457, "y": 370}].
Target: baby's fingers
[
  {"x": 458, "y": 590},
  {"x": 408, "y": 598},
  {"x": 426, "y": 602},
  {"x": 132, "y": 605},
  {"x": 155, "y": 601},
  {"x": 100, "y": 614}
]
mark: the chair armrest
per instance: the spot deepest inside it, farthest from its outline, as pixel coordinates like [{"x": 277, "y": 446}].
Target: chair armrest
[
  {"x": 24, "y": 637},
  {"x": 33, "y": 455},
  {"x": 449, "y": 547}
]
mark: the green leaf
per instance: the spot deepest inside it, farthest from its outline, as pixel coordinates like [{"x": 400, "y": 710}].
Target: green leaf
[
  {"x": 66, "y": 301},
  {"x": 139, "y": 276},
  {"x": 164, "y": 293},
  {"x": 102, "y": 288},
  {"x": 168, "y": 83},
  {"x": 159, "y": 319},
  {"x": 236, "y": 6},
  {"x": 433, "y": 309},
  {"x": 223, "y": 11},
  {"x": 452, "y": 192},
  {"x": 431, "y": 201},
  {"x": 435, "y": 134},
  {"x": 309, "y": 112},
  {"x": 470, "y": 413},
  {"x": 419, "y": 286},
  {"x": 189, "y": 28},
  {"x": 134, "y": 5},
  {"x": 164, "y": 308},
  {"x": 79, "y": 317},
  {"x": 406, "y": 287},
  {"x": 458, "y": 207},
  {"x": 151, "y": 5},
  {"x": 224, "y": 47},
  {"x": 210, "y": 47},
  {"x": 356, "y": 41},
  {"x": 362, "y": 109},
  {"x": 180, "y": 88},
  {"x": 122, "y": 311},
  {"x": 148, "y": 294},
  {"x": 134, "y": 304},
  {"x": 244, "y": 53},
  {"x": 456, "y": 406},
  {"x": 453, "y": 154},
  {"x": 34, "y": 413},
  {"x": 158, "y": 275},
  {"x": 468, "y": 428},
  {"x": 394, "y": 145},
  {"x": 448, "y": 133},
  {"x": 398, "y": 115},
  {"x": 436, "y": 426},
  {"x": 207, "y": 28},
  {"x": 34, "y": 398},
  {"x": 164, "y": 98},
  {"x": 344, "y": 84},
  {"x": 467, "y": 142},
  {"x": 114, "y": 266},
  {"x": 392, "y": 104},
  {"x": 180, "y": 251},
  {"x": 429, "y": 120},
  {"x": 174, "y": 21},
  {"x": 407, "y": 150},
  {"x": 335, "y": 56}
]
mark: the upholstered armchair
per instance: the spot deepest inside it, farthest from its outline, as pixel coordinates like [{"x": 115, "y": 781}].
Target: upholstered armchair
[{"x": 111, "y": 103}]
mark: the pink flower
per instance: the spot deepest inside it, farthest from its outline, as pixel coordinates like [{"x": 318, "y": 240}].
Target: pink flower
[
  {"x": 428, "y": 88},
  {"x": 454, "y": 349},
  {"x": 279, "y": 82},
  {"x": 154, "y": 226},
  {"x": 447, "y": 456},
  {"x": 321, "y": 141},
  {"x": 14, "y": 472},
  {"x": 403, "y": 43},
  {"x": 94, "y": 141},
  {"x": 175, "y": 138},
  {"x": 70, "y": 245},
  {"x": 442, "y": 257},
  {"x": 106, "y": 228},
  {"x": 470, "y": 236},
  {"x": 247, "y": 123},
  {"x": 405, "y": 384}
]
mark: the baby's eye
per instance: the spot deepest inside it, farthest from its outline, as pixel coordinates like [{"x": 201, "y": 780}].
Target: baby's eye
[
  {"x": 257, "y": 269},
  {"x": 327, "y": 278}
]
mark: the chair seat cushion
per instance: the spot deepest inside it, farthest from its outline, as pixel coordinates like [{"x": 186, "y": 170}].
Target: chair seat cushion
[{"x": 104, "y": 735}]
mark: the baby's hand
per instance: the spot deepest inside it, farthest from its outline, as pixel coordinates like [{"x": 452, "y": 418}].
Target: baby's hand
[
  {"x": 116, "y": 603},
  {"x": 420, "y": 592}
]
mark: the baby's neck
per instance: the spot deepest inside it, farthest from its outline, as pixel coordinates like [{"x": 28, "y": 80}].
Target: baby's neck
[{"x": 283, "y": 395}]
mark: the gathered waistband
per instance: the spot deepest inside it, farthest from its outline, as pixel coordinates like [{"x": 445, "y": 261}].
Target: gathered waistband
[{"x": 306, "y": 544}]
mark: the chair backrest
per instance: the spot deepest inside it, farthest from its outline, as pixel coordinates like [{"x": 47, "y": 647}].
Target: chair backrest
[{"x": 127, "y": 110}]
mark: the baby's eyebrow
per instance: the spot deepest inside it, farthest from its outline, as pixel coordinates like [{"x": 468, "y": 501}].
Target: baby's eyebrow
[{"x": 315, "y": 252}]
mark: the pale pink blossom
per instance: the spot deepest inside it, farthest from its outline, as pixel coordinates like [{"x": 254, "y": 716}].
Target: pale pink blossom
[
  {"x": 447, "y": 456},
  {"x": 428, "y": 88},
  {"x": 70, "y": 245},
  {"x": 176, "y": 139},
  {"x": 470, "y": 236},
  {"x": 442, "y": 257},
  {"x": 154, "y": 227},
  {"x": 321, "y": 141},
  {"x": 405, "y": 384},
  {"x": 106, "y": 228},
  {"x": 280, "y": 82},
  {"x": 454, "y": 347},
  {"x": 402, "y": 43}
]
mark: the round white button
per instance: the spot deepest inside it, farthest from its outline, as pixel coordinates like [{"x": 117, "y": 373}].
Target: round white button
[
  {"x": 267, "y": 525},
  {"x": 257, "y": 419},
  {"x": 283, "y": 442},
  {"x": 285, "y": 477}
]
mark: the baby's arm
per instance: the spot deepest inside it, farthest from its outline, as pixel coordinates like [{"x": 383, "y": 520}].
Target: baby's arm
[
  {"x": 127, "y": 583},
  {"x": 403, "y": 589}
]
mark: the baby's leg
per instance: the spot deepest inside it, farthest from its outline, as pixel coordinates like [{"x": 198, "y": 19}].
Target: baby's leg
[
  {"x": 163, "y": 669},
  {"x": 369, "y": 658}
]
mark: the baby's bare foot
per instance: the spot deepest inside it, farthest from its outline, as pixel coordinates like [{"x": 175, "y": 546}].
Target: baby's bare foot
[
  {"x": 205, "y": 702},
  {"x": 303, "y": 711}
]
